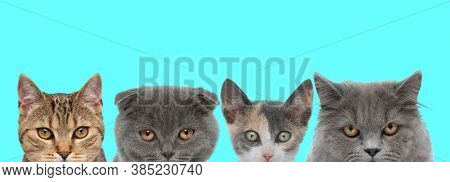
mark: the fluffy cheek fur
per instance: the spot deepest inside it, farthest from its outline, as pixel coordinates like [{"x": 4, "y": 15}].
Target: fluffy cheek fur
[
  {"x": 396, "y": 148},
  {"x": 87, "y": 149},
  {"x": 131, "y": 147},
  {"x": 336, "y": 146},
  {"x": 38, "y": 150}
]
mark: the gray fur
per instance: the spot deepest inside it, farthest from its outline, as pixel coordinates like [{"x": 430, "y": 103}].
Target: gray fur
[
  {"x": 268, "y": 119},
  {"x": 370, "y": 107},
  {"x": 165, "y": 110}
]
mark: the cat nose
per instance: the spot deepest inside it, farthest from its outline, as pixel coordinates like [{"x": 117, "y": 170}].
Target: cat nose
[
  {"x": 267, "y": 157},
  {"x": 372, "y": 151},
  {"x": 64, "y": 155},
  {"x": 168, "y": 155}
]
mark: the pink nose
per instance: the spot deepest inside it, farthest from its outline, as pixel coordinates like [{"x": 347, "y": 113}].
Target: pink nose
[{"x": 267, "y": 157}]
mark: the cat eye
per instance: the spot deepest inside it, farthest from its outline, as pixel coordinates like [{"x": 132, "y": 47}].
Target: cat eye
[
  {"x": 390, "y": 129},
  {"x": 45, "y": 133},
  {"x": 148, "y": 135},
  {"x": 186, "y": 134},
  {"x": 284, "y": 136},
  {"x": 251, "y": 136},
  {"x": 351, "y": 131},
  {"x": 81, "y": 132}
]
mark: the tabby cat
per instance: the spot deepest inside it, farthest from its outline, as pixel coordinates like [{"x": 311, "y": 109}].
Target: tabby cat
[
  {"x": 61, "y": 127},
  {"x": 266, "y": 131},
  {"x": 370, "y": 122}
]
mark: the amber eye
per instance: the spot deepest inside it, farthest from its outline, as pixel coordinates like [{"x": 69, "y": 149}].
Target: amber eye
[
  {"x": 148, "y": 135},
  {"x": 284, "y": 136},
  {"x": 81, "y": 132},
  {"x": 351, "y": 131},
  {"x": 390, "y": 129},
  {"x": 45, "y": 133},
  {"x": 186, "y": 134}
]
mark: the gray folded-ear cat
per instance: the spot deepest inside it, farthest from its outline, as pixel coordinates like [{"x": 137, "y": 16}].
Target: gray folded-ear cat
[
  {"x": 370, "y": 122},
  {"x": 165, "y": 124}
]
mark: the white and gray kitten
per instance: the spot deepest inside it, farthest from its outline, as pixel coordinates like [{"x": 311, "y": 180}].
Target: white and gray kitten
[
  {"x": 363, "y": 122},
  {"x": 266, "y": 131}
]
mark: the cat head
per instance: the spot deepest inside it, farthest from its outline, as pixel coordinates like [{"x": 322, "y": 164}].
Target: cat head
[
  {"x": 368, "y": 121},
  {"x": 60, "y": 127},
  {"x": 266, "y": 131},
  {"x": 166, "y": 124}
]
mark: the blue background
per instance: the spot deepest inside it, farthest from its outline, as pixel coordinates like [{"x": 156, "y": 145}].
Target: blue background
[{"x": 60, "y": 44}]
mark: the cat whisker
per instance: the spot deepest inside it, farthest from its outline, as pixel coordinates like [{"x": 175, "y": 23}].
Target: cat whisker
[
  {"x": 389, "y": 159},
  {"x": 355, "y": 159},
  {"x": 182, "y": 159},
  {"x": 352, "y": 157},
  {"x": 391, "y": 155}
]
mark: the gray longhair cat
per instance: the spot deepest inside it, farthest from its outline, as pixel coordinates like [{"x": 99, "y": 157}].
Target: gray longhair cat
[
  {"x": 266, "y": 131},
  {"x": 165, "y": 124},
  {"x": 370, "y": 122}
]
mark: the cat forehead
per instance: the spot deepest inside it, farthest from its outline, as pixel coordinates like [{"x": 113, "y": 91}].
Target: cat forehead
[
  {"x": 166, "y": 116},
  {"x": 66, "y": 103},
  {"x": 364, "y": 101},
  {"x": 174, "y": 99},
  {"x": 61, "y": 102},
  {"x": 349, "y": 86},
  {"x": 55, "y": 106},
  {"x": 264, "y": 116},
  {"x": 275, "y": 115},
  {"x": 360, "y": 93},
  {"x": 365, "y": 104},
  {"x": 60, "y": 107},
  {"x": 166, "y": 94}
]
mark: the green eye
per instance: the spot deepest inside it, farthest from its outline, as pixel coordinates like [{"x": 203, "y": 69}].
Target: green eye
[
  {"x": 45, "y": 133},
  {"x": 81, "y": 132},
  {"x": 251, "y": 135},
  {"x": 284, "y": 136}
]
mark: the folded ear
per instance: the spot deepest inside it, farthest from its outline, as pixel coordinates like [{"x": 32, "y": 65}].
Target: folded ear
[
  {"x": 204, "y": 101},
  {"x": 234, "y": 101},
  {"x": 299, "y": 104},
  {"x": 329, "y": 92},
  {"x": 91, "y": 93},
  {"x": 125, "y": 99},
  {"x": 29, "y": 94},
  {"x": 408, "y": 89}
]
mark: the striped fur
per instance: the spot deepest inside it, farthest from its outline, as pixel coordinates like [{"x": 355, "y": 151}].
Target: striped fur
[{"x": 62, "y": 114}]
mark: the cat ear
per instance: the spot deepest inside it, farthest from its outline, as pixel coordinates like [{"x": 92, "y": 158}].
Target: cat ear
[
  {"x": 29, "y": 94},
  {"x": 328, "y": 91},
  {"x": 234, "y": 100},
  {"x": 204, "y": 100},
  {"x": 91, "y": 93},
  {"x": 125, "y": 99},
  {"x": 408, "y": 89},
  {"x": 299, "y": 104}
]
